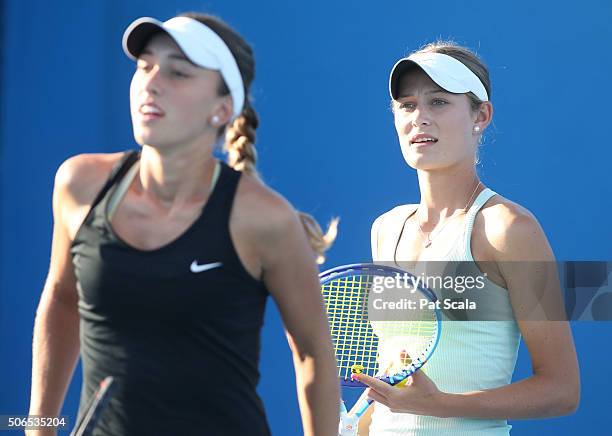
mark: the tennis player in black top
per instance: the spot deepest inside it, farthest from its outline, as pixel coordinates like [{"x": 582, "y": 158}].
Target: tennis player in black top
[{"x": 162, "y": 259}]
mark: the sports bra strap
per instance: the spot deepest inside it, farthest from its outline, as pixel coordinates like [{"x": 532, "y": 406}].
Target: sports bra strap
[{"x": 118, "y": 171}]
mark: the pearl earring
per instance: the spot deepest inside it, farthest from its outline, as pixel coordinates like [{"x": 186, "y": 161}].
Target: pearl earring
[
  {"x": 476, "y": 129},
  {"x": 214, "y": 120}
]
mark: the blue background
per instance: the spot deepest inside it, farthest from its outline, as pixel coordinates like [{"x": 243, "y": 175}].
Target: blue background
[{"x": 326, "y": 139}]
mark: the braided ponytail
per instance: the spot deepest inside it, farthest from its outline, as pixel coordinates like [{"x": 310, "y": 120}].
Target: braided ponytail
[
  {"x": 240, "y": 139},
  {"x": 319, "y": 242},
  {"x": 239, "y": 145}
]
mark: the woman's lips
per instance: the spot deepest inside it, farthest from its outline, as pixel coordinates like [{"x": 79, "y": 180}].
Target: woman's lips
[
  {"x": 150, "y": 117},
  {"x": 423, "y": 144},
  {"x": 150, "y": 111}
]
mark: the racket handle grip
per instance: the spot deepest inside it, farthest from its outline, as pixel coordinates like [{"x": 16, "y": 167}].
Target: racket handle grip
[{"x": 362, "y": 405}]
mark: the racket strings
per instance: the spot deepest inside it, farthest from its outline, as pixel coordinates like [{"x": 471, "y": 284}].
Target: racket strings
[
  {"x": 354, "y": 340},
  {"x": 403, "y": 344}
]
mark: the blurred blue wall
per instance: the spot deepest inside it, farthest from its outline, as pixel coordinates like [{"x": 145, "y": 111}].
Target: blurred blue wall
[{"x": 326, "y": 139}]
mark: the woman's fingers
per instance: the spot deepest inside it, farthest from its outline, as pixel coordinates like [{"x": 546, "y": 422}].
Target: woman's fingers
[{"x": 380, "y": 387}]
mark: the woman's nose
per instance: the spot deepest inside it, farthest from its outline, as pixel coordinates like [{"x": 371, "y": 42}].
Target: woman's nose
[
  {"x": 152, "y": 82},
  {"x": 420, "y": 117}
]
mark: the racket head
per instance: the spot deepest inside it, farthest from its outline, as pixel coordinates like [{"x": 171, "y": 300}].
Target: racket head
[{"x": 346, "y": 291}]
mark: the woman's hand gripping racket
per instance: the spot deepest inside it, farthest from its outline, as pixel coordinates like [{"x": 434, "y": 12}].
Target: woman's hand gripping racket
[{"x": 371, "y": 338}]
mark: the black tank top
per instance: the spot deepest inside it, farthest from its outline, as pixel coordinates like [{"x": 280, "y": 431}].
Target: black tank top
[{"x": 178, "y": 327}]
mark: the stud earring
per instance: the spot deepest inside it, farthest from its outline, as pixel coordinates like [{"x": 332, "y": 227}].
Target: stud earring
[
  {"x": 214, "y": 120},
  {"x": 476, "y": 129}
]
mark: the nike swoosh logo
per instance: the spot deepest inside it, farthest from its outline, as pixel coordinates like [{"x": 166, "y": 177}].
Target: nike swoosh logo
[{"x": 195, "y": 268}]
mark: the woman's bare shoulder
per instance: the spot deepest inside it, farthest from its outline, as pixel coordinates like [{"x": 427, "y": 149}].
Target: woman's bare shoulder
[
  {"x": 79, "y": 178},
  {"x": 501, "y": 214},
  {"x": 512, "y": 230},
  {"x": 268, "y": 210}
]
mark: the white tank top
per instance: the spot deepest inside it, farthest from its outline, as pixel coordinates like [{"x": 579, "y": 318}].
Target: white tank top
[{"x": 471, "y": 355}]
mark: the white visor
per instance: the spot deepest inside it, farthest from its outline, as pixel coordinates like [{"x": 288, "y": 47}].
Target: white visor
[
  {"x": 449, "y": 73},
  {"x": 201, "y": 45}
]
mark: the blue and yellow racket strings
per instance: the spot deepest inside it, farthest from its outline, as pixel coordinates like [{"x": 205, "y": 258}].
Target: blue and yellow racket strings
[{"x": 356, "y": 339}]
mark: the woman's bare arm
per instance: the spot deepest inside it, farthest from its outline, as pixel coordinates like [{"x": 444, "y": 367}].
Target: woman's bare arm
[
  {"x": 291, "y": 275},
  {"x": 55, "y": 347}
]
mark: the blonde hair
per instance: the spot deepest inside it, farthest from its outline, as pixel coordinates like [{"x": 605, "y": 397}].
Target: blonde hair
[{"x": 240, "y": 133}]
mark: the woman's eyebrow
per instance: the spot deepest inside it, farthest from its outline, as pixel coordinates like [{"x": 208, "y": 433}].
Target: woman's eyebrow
[
  {"x": 410, "y": 93},
  {"x": 178, "y": 56}
]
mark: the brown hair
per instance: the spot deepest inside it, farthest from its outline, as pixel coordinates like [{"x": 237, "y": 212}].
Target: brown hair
[
  {"x": 468, "y": 58},
  {"x": 240, "y": 134}
]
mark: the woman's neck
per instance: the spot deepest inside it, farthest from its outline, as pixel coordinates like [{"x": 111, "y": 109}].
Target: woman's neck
[
  {"x": 175, "y": 176},
  {"x": 445, "y": 193}
]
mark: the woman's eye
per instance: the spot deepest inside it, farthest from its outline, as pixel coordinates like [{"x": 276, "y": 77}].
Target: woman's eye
[
  {"x": 179, "y": 74},
  {"x": 407, "y": 106},
  {"x": 438, "y": 102}
]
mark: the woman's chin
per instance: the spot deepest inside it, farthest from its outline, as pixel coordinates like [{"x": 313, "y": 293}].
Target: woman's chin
[
  {"x": 149, "y": 139},
  {"x": 424, "y": 163},
  {"x": 429, "y": 162}
]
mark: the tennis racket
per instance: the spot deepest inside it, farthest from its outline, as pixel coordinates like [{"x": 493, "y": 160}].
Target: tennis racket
[
  {"x": 390, "y": 350},
  {"x": 86, "y": 424}
]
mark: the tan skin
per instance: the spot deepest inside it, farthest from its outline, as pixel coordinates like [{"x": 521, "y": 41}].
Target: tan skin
[
  {"x": 165, "y": 198},
  {"x": 503, "y": 232}
]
